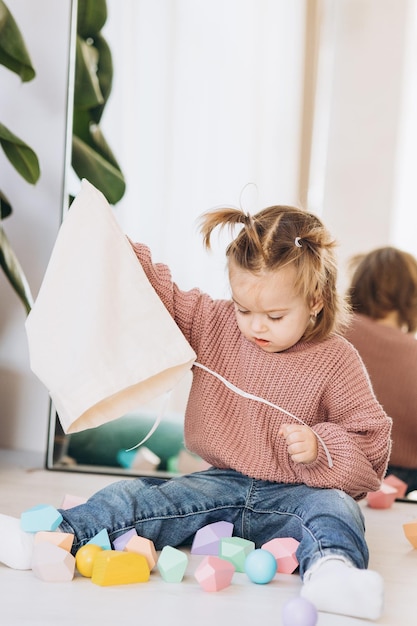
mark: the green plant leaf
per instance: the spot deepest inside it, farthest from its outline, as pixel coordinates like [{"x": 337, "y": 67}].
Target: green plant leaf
[
  {"x": 99, "y": 143},
  {"x": 14, "y": 272},
  {"x": 20, "y": 155},
  {"x": 104, "y": 74},
  {"x": 89, "y": 164},
  {"x": 5, "y": 206},
  {"x": 13, "y": 51},
  {"x": 91, "y": 17},
  {"x": 87, "y": 93}
]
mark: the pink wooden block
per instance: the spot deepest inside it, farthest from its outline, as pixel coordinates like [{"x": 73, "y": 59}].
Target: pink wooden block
[
  {"x": 207, "y": 539},
  {"x": 52, "y": 563},
  {"x": 214, "y": 573},
  {"x": 62, "y": 540},
  {"x": 383, "y": 498},
  {"x": 399, "y": 484},
  {"x": 284, "y": 550},
  {"x": 143, "y": 546},
  {"x": 69, "y": 501}
]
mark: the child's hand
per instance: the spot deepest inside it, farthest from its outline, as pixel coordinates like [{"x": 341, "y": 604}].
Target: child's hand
[{"x": 301, "y": 442}]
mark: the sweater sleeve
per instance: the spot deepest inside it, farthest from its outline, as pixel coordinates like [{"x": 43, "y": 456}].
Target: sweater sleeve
[{"x": 356, "y": 432}]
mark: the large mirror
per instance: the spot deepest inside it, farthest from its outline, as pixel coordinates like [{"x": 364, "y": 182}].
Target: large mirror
[{"x": 245, "y": 103}]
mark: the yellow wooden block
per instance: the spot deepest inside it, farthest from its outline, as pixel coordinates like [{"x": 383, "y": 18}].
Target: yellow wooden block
[
  {"x": 85, "y": 557},
  {"x": 113, "y": 567}
]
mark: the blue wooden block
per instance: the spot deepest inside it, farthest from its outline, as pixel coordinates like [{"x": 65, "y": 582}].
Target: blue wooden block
[
  {"x": 40, "y": 517},
  {"x": 102, "y": 540}
]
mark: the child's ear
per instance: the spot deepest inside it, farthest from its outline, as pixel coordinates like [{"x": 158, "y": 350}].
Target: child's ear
[{"x": 316, "y": 305}]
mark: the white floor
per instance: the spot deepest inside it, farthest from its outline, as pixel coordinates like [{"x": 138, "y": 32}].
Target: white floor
[{"x": 24, "y": 599}]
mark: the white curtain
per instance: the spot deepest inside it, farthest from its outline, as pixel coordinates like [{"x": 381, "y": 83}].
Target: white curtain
[{"x": 207, "y": 98}]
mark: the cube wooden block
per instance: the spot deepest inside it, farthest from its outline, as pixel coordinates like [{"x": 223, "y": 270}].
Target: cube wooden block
[
  {"x": 284, "y": 550},
  {"x": 383, "y": 498},
  {"x": 62, "y": 540},
  {"x": 172, "y": 564},
  {"x": 235, "y": 550},
  {"x": 144, "y": 546},
  {"x": 207, "y": 539},
  {"x": 52, "y": 563},
  {"x": 410, "y": 531},
  {"x": 112, "y": 567},
  {"x": 102, "y": 540},
  {"x": 120, "y": 541},
  {"x": 214, "y": 573},
  {"x": 396, "y": 482},
  {"x": 40, "y": 517}
]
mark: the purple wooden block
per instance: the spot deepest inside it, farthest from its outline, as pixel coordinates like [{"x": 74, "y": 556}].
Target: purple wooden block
[
  {"x": 120, "y": 542},
  {"x": 207, "y": 539}
]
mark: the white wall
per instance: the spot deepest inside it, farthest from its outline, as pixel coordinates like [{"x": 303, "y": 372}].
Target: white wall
[{"x": 36, "y": 112}]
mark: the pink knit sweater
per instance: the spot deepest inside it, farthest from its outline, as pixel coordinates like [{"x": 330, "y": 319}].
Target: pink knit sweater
[
  {"x": 324, "y": 384},
  {"x": 390, "y": 357}
]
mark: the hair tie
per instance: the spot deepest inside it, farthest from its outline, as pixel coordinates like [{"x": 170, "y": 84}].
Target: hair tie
[{"x": 297, "y": 242}]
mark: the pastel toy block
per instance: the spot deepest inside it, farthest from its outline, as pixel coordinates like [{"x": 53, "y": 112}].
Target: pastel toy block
[
  {"x": 260, "y": 566},
  {"x": 112, "y": 567},
  {"x": 40, "y": 517},
  {"x": 399, "y": 484},
  {"x": 214, "y": 573},
  {"x": 144, "y": 546},
  {"x": 69, "y": 501},
  {"x": 172, "y": 564},
  {"x": 52, "y": 563},
  {"x": 207, "y": 539},
  {"x": 284, "y": 550},
  {"x": 102, "y": 540},
  {"x": 142, "y": 459},
  {"x": 235, "y": 550},
  {"x": 63, "y": 540},
  {"x": 410, "y": 531},
  {"x": 85, "y": 557},
  {"x": 120, "y": 541},
  {"x": 383, "y": 498}
]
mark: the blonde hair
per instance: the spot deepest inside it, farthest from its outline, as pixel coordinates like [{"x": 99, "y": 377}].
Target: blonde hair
[
  {"x": 385, "y": 281},
  {"x": 281, "y": 235}
]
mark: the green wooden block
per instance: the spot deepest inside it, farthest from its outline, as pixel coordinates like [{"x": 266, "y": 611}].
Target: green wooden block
[
  {"x": 39, "y": 518},
  {"x": 172, "y": 564},
  {"x": 235, "y": 550}
]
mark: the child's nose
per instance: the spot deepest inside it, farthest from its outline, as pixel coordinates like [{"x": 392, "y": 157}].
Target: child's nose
[{"x": 258, "y": 323}]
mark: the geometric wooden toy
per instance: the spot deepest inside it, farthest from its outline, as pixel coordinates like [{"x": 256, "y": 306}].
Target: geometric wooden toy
[
  {"x": 299, "y": 612},
  {"x": 260, "y": 566},
  {"x": 63, "y": 540},
  {"x": 102, "y": 540},
  {"x": 40, "y": 517},
  {"x": 52, "y": 563},
  {"x": 142, "y": 459},
  {"x": 410, "y": 531},
  {"x": 85, "y": 557},
  {"x": 383, "y": 498},
  {"x": 143, "y": 546},
  {"x": 112, "y": 567},
  {"x": 284, "y": 550},
  {"x": 396, "y": 482},
  {"x": 235, "y": 550},
  {"x": 172, "y": 564},
  {"x": 207, "y": 539},
  {"x": 214, "y": 573},
  {"x": 120, "y": 542},
  {"x": 69, "y": 501}
]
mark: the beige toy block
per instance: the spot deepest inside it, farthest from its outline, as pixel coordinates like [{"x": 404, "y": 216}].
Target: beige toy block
[
  {"x": 52, "y": 563},
  {"x": 62, "y": 540},
  {"x": 144, "y": 546},
  {"x": 112, "y": 567},
  {"x": 410, "y": 531}
]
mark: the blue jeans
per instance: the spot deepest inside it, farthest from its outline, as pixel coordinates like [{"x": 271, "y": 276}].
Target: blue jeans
[{"x": 171, "y": 511}]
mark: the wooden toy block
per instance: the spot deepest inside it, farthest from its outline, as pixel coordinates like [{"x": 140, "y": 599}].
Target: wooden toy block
[
  {"x": 284, "y": 550},
  {"x": 235, "y": 550},
  {"x": 52, "y": 563},
  {"x": 207, "y": 539},
  {"x": 142, "y": 459},
  {"x": 172, "y": 564},
  {"x": 410, "y": 531},
  {"x": 399, "y": 484},
  {"x": 40, "y": 517},
  {"x": 69, "y": 501},
  {"x": 214, "y": 573},
  {"x": 120, "y": 541},
  {"x": 144, "y": 546},
  {"x": 383, "y": 498},
  {"x": 112, "y": 567},
  {"x": 85, "y": 557},
  {"x": 102, "y": 540},
  {"x": 260, "y": 566},
  {"x": 63, "y": 540}
]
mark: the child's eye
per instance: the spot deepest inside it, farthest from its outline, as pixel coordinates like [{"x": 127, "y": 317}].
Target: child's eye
[
  {"x": 275, "y": 318},
  {"x": 242, "y": 311}
]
